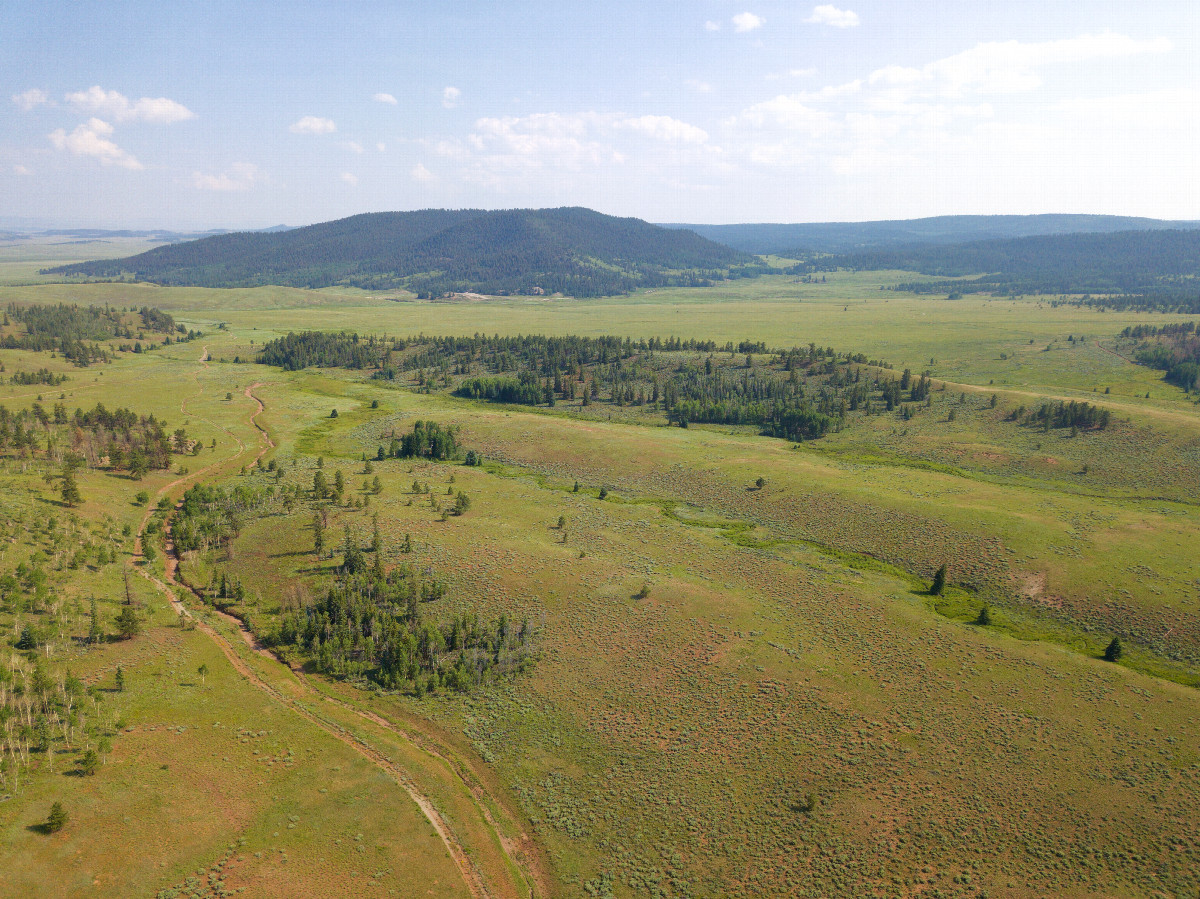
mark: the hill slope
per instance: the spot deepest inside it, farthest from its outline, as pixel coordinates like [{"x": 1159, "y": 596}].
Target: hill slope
[
  {"x": 526, "y": 251},
  {"x": 845, "y": 237},
  {"x": 1160, "y": 265}
]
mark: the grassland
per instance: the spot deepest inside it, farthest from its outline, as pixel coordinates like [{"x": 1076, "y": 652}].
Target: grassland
[{"x": 739, "y": 690}]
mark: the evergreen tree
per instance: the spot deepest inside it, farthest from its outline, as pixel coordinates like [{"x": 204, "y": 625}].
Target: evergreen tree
[
  {"x": 120, "y": 679},
  {"x": 57, "y": 819},
  {"x": 70, "y": 490},
  {"x": 938, "y": 587},
  {"x": 128, "y": 624},
  {"x": 1114, "y": 650}
]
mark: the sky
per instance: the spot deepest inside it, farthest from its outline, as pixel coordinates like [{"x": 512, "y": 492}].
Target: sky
[{"x": 243, "y": 114}]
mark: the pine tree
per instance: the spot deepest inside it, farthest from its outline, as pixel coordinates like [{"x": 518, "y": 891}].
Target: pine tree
[
  {"x": 120, "y": 679},
  {"x": 57, "y": 819},
  {"x": 939, "y": 582},
  {"x": 128, "y": 624},
  {"x": 1114, "y": 651},
  {"x": 70, "y": 490}
]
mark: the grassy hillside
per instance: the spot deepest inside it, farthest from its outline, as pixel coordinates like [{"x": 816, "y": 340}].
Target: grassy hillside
[
  {"x": 433, "y": 251},
  {"x": 733, "y": 688}
]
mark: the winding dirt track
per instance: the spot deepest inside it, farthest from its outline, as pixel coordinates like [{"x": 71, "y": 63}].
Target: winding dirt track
[{"x": 522, "y": 855}]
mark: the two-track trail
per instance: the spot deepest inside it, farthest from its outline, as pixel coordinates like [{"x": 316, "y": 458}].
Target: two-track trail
[{"x": 519, "y": 872}]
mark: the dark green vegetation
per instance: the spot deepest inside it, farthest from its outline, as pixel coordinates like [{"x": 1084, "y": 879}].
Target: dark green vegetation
[
  {"x": 437, "y": 251},
  {"x": 115, "y": 440},
  {"x": 797, "y": 394},
  {"x": 76, "y": 331},
  {"x": 1140, "y": 269},
  {"x": 801, "y": 240},
  {"x": 1174, "y": 349},
  {"x": 374, "y": 626}
]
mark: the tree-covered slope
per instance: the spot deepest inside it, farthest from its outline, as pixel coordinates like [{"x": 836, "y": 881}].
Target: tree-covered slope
[
  {"x": 1140, "y": 267},
  {"x": 802, "y": 239},
  {"x": 433, "y": 251}
]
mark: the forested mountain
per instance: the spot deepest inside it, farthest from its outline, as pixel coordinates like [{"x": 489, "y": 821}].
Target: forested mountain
[
  {"x": 434, "y": 251},
  {"x": 800, "y": 240},
  {"x": 1159, "y": 268}
]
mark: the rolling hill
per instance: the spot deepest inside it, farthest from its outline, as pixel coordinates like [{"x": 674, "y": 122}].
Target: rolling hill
[
  {"x": 846, "y": 237},
  {"x": 569, "y": 250}
]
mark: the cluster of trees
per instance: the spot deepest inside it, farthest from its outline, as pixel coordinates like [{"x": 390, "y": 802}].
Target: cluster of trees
[
  {"x": 428, "y": 440},
  {"x": 211, "y": 517},
  {"x": 435, "y": 251},
  {"x": 1057, "y": 414},
  {"x": 1172, "y": 348},
  {"x": 119, "y": 438},
  {"x": 371, "y": 625},
  {"x": 75, "y": 331},
  {"x": 43, "y": 376},
  {"x": 323, "y": 350}
]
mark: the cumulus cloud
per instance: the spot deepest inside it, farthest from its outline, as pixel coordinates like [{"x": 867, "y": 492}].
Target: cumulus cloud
[
  {"x": 700, "y": 87},
  {"x": 665, "y": 128},
  {"x": 712, "y": 26},
  {"x": 117, "y": 106},
  {"x": 21, "y": 169},
  {"x": 747, "y": 21},
  {"x": 240, "y": 176},
  {"x": 353, "y": 146},
  {"x": 384, "y": 98},
  {"x": 899, "y": 118},
  {"x": 350, "y": 179},
  {"x": 311, "y": 124},
  {"x": 381, "y": 146},
  {"x": 91, "y": 139},
  {"x": 831, "y": 15},
  {"x": 450, "y": 97},
  {"x": 422, "y": 174},
  {"x": 27, "y": 100}
]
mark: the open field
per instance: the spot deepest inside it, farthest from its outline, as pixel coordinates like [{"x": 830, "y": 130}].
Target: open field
[{"x": 738, "y": 689}]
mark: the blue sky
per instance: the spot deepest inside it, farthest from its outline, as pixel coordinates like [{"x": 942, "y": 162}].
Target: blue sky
[{"x": 245, "y": 114}]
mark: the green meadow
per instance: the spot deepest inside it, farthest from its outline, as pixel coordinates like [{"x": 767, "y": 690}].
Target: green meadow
[{"x": 741, "y": 682}]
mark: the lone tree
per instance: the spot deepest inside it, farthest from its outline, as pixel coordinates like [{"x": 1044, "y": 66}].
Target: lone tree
[
  {"x": 985, "y": 616},
  {"x": 128, "y": 624},
  {"x": 203, "y": 672},
  {"x": 938, "y": 587},
  {"x": 57, "y": 819},
  {"x": 120, "y": 679},
  {"x": 90, "y": 763},
  {"x": 1114, "y": 650}
]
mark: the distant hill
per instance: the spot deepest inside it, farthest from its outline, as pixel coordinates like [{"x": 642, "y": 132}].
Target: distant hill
[
  {"x": 1140, "y": 267},
  {"x": 845, "y": 237},
  {"x": 571, "y": 250}
]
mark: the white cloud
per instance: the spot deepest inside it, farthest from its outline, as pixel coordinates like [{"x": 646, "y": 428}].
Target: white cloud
[
  {"x": 353, "y": 146},
  {"x": 22, "y": 170},
  {"x": 802, "y": 73},
  {"x": 422, "y": 174},
  {"x": 381, "y": 146},
  {"x": 450, "y": 97},
  {"x": 385, "y": 98},
  {"x": 747, "y": 21},
  {"x": 712, "y": 26},
  {"x": 350, "y": 179},
  {"x": 117, "y": 107},
  {"x": 241, "y": 176},
  {"x": 831, "y": 15},
  {"x": 700, "y": 87},
  {"x": 665, "y": 128},
  {"x": 311, "y": 124},
  {"x": 27, "y": 100},
  {"x": 91, "y": 139}
]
